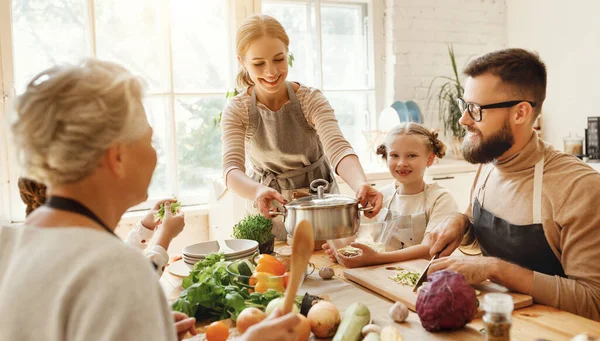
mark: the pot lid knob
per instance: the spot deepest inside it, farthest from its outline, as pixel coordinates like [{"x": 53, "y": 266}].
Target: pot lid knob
[{"x": 323, "y": 186}]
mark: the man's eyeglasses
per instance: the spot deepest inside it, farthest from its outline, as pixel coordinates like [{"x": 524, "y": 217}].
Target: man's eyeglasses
[{"x": 474, "y": 110}]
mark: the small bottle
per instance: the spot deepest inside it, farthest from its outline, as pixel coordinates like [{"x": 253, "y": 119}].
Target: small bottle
[{"x": 497, "y": 319}]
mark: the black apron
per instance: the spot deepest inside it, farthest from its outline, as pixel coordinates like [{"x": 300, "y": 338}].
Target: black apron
[{"x": 524, "y": 245}]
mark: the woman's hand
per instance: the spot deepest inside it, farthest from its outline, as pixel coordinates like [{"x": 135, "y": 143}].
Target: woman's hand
[
  {"x": 264, "y": 196},
  {"x": 367, "y": 195},
  {"x": 274, "y": 328},
  {"x": 148, "y": 220}
]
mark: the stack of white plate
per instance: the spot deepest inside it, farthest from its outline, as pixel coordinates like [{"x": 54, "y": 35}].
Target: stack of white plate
[{"x": 240, "y": 248}]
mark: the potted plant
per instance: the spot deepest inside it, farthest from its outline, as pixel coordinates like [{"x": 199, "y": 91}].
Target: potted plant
[
  {"x": 256, "y": 227},
  {"x": 448, "y": 110}
]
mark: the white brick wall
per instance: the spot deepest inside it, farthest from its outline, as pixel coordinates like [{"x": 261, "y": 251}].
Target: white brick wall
[{"x": 417, "y": 34}]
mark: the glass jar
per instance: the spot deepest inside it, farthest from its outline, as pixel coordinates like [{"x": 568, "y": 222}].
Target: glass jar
[
  {"x": 497, "y": 319},
  {"x": 574, "y": 144}
]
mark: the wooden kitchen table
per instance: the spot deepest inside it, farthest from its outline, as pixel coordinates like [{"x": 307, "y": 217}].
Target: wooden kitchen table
[{"x": 532, "y": 323}]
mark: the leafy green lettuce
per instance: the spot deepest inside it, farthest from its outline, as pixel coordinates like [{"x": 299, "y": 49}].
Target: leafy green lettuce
[
  {"x": 160, "y": 214},
  {"x": 209, "y": 292}
]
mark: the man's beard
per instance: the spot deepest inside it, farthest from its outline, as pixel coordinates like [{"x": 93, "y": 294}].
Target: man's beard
[{"x": 488, "y": 149}]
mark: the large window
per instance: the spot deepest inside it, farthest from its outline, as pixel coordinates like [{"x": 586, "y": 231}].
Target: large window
[
  {"x": 333, "y": 49},
  {"x": 184, "y": 50}
]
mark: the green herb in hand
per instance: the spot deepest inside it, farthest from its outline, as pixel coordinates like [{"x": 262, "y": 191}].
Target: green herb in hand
[
  {"x": 254, "y": 227},
  {"x": 160, "y": 214}
]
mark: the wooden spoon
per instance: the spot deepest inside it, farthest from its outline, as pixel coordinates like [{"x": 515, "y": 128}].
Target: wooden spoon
[{"x": 302, "y": 248}]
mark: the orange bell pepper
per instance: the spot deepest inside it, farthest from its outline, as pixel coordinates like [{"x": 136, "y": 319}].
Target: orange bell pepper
[
  {"x": 263, "y": 281},
  {"x": 270, "y": 264},
  {"x": 286, "y": 279}
]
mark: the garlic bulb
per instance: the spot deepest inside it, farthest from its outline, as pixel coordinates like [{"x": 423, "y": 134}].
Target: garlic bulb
[{"x": 398, "y": 312}]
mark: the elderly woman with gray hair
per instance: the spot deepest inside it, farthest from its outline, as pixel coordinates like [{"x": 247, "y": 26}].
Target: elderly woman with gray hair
[{"x": 82, "y": 131}]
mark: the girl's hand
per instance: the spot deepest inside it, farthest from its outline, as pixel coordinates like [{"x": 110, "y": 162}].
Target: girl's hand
[
  {"x": 148, "y": 220},
  {"x": 172, "y": 225},
  {"x": 264, "y": 196},
  {"x": 329, "y": 252},
  {"x": 184, "y": 324},
  {"x": 367, "y": 195},
  {"x": 365, "y": 258}
]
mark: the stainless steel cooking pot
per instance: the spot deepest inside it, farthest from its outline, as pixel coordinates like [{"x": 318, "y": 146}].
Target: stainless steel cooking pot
[{"x": 332, "y": 216}]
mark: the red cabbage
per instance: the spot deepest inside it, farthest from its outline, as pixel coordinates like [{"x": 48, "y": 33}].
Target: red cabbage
[{"x": 446, "y": 302}]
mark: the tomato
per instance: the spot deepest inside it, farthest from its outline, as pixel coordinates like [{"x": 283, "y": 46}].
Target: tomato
[{"x": 217, "y": 331}]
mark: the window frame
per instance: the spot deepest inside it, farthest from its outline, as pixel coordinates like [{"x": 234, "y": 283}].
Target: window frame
[{"x": 11, "y": 208}]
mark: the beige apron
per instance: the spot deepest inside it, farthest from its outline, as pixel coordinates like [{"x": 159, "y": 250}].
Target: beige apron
[
  {"x": 285, "y": 152},
  {"x": 409, "y": 229}
]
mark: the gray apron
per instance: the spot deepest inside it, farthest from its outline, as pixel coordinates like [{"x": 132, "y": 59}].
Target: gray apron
[
  {"x": 285, "y": 152},
  {"x": 524, "y": 245},
  {"x": 409, "y": 229}
]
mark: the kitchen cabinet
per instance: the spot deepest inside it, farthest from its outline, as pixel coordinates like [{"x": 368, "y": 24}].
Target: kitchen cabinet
[{"x": 459, "y": 185}]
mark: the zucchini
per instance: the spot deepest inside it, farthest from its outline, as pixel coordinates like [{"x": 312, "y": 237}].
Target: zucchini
[
  {"x": 390, "y": 333},
  {"x": 355, "y": 318}
]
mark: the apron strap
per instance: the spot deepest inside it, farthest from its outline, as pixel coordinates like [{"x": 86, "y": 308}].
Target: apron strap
[
  {"x": 291, "y": 93},
  {"x": 538, "y": 176},
  {"x": 482, "y": 188}
]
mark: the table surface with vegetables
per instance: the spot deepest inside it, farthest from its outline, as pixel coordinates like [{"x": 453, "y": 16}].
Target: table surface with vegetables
[{"x": 212, "y": 293}]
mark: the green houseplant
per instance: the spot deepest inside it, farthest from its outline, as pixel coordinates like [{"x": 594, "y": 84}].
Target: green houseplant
[
  {"x": 256, "y": 227},
  {"x": 446, "y": 98}
]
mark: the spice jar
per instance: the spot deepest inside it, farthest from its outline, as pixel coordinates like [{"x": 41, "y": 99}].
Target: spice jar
[
  {"x": 573, "y": 144},
  {"x": 497, "y": 319}
]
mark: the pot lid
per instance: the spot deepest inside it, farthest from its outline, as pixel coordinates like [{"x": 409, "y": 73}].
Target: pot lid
[
  {"x": 321, "y": 199},
  {"x": 326, "y": 200}
]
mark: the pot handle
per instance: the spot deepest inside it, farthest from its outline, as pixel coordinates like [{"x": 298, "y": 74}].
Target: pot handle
[
  {"x": 368, "y": 208},
  {"x": 276, "y": 213}
]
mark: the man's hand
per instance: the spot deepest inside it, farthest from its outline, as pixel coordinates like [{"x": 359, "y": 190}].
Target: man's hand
[
  {"x": 447, "y": 234},
  {"x": 475, "y": 269}
]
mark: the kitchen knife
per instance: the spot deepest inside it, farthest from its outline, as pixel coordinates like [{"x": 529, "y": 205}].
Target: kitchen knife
[{"x": 423, "y": 276}]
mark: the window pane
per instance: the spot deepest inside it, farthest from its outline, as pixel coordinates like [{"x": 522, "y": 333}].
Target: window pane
[
  {"x": 134, "y": 33},
  {"x": 355, "y": 114},
  {"x": 46, "y": 33},
  {"x": 157, "y": 109},
  {"x": 198, "y": 142},
  {"x": 201, "y": 45},
  {"x": 299, "y": 23},
  {"x": 345, "y": 52}
]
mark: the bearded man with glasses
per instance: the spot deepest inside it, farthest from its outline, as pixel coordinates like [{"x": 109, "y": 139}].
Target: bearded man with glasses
[{"x": 532, "y": 211}]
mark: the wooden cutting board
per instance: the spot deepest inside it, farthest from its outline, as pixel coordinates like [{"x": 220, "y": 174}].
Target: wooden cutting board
[{"x": 376, "y": 278}]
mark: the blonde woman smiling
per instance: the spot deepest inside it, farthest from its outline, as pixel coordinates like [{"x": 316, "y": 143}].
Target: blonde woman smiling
[{"x": 287, "y": 130}]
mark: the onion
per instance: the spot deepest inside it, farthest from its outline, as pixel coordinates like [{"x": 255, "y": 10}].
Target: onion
[
  {"x": 324, "y": 319},
  {"x": 249, "y": 317},
  {"x": 278, "y": 303}
]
